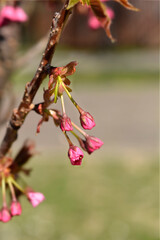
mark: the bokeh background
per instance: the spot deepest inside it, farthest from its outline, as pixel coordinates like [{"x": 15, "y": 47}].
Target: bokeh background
[{"x": 114, "y": 194}]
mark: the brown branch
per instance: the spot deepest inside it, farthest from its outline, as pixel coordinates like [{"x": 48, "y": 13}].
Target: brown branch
[{"x": 19, "y": 115}]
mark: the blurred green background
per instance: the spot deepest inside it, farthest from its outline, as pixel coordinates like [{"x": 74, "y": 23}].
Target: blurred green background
[
  {"x": 114, "y": 194},
  {"x": 105, "y": 198}
]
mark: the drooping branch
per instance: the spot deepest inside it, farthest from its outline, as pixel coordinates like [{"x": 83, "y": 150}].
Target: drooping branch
[{"x": 19, "y": 115}]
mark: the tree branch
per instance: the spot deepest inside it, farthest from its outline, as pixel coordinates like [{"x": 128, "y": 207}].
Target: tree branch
[{"x": 19, "y": 115}]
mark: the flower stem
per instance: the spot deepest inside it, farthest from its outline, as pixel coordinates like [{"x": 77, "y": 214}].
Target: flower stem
[
  {"x": 62, "y": 103},
  {"x": 50, "y": 112},
  {"x": 69, "y": 95},
  {"x": 56, "y": 91},
  {"x": 16, "y": 184},
  {"x": 80, "y": 130},
  {"x": 4, "y": 191},
  {"x": 11, "y": 189},
  {"x": 68, "y": 139},
  {"x": 74, "y": 134}
]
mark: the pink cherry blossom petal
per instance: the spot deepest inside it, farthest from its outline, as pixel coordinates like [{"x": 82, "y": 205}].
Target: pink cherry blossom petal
[
  {"x": 35, "y": 198},
  {"x": 66, "y": 124},
  {"x": 92, "y": 144},
  {"x": 86, "y": 119},
  {"x": 16, "y": 209},
  {"x": 75, "y": 155},
  {"x": 20, "y": 15},
  {"x": 5, "y": 215},
  {"x": 12, "y": 14}
]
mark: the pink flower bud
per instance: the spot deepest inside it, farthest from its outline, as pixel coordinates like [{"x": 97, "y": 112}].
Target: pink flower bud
[
  {"x": 16, "y": 208},
  {"x": 92, "y": 144},
  {"x": 20, "y": 15},
  {"x": 12, "y": 14},
  {"x": 75, "y": 155},
  {"x": 5, "y": 215},
  {"x": 66, "y": 124},
  {"x": 86, "y": 119},
  {"x": 94, "y": 23},
  {"x": 35, "y": 198}
]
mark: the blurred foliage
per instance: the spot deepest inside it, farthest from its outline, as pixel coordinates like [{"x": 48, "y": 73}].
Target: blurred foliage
[
  {"x": 105, "y": 198},
  {"x": 120, "y": 66}
]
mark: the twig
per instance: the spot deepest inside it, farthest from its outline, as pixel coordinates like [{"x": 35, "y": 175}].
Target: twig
[{"x": 19, "y": 115}]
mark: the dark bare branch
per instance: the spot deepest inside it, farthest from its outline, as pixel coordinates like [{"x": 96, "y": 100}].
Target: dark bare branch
[{"x": 19, "y": 115}]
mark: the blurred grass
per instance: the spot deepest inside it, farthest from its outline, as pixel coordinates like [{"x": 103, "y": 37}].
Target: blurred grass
[
  {"x": 128, "y": 78},
  {"x": 134, "y": 67},
  {"x": 118, "y": 78},
  {"x": 111, "y": 199}
]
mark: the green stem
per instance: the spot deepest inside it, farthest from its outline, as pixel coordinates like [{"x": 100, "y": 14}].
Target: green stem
[
  {"x": 68, "y": 139},
  {"x": 74, "y": 134},
  {"x": 4, "y": 191},
  {"x": 11, "y": 189},
  {"x": 69, "y": 95},
  {"x": 80, "y": 130},
  {"x": 56, "y": 90},
  {"x": 16, "y": 184},
  {"x": 62, "y": 103},
  {"x": 50, "y": 112}
]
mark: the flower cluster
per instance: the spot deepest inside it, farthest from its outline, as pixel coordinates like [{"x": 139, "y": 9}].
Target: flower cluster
[
  {"x": 57, "y": 86},
  {"x": 100, "y": 15},
  {"x": 9, "y": 175},
  {"x": 10, "y": 14}
]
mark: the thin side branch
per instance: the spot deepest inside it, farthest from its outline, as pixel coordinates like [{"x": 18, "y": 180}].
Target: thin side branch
[{"x": 19, "y": 115}]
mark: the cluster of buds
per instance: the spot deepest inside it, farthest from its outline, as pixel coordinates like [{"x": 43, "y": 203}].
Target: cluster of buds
[
  {"x": 57, "y": 86},
  {"x": 9, "y": 182},
  {"x": 9, "y": 14}
]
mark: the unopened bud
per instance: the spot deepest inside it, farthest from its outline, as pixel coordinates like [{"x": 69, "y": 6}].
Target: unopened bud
[
  {"x": 5, "y": 215},
  {"x": 35, "y": 198},
  {"x": 16, "y": 208},
  {"x": 92, "y": 144},
  {"x": 75, "y": 155},
  {"x": 86, "y": 119},
  {"x": 66, "y": 124}
]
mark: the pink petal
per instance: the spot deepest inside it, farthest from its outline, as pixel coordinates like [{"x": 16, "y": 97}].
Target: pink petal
[
  {"x": 93, "y": 22},
  {"x": 92, "y": 143},
  {"x": 66, "y": 124},
  {"x": 20, "y": 14},
  {"x": 75, "y": 155},
  {"x": 5, "y": 215},
  {"x": 8, "y": 12},
  {"x": 13, "y": 14},
  {"x": 16, "y": 209},
  {"x": 86, "y": 119},
  {"x": 35, "y": 198},
  {"x": 110, "y": 13}
]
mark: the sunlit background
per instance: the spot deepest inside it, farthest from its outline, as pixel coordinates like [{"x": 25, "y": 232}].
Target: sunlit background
[{"x": 114, "y": 194}]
